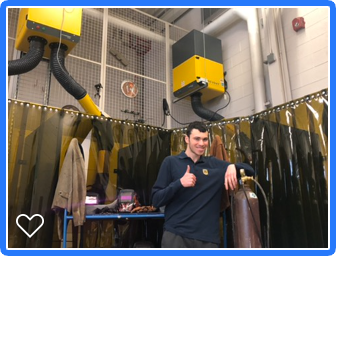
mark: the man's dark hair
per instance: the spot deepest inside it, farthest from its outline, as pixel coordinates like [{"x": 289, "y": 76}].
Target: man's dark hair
[{"x": 200, "y": 126}]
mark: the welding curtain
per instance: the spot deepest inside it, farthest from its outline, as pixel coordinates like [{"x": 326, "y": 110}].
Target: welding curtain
[
  {"x": 287, "y": 146},
  {"x": 121, "y": 155}
]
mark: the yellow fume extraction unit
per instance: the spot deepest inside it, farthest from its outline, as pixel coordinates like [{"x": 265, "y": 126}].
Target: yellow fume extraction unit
[
  {"x": 51, "y": 33},
  {"x": 198, "y": 66},
  {"x": 51, "y": 24}
]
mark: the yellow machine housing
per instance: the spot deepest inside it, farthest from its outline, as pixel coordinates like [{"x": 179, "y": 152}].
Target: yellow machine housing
[
  {"x": 50, "y": 24},
  {"x": 198, "y": 72},
  {"x": 198, "y": 66}
]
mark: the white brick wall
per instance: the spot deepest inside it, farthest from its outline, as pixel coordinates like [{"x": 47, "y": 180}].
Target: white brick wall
[
  {"x": 237, "y": 64},
  {"x": 307, "y": 49}
]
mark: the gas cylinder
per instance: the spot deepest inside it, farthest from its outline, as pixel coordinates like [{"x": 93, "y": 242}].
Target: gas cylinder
[{"x": 247, "y": 227}]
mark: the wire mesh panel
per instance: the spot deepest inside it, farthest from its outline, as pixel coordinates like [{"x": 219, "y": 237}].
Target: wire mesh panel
[
  {"x": 132, "y": 44},
  {"x": 139, "y": 19},
  {"x": 154, "y": 93},
  {"x": 11, "y": 45},
  {"x": 90, "y": 45},
  {"x": 136, "y": 52},
  {"x": 146, "y": 105},
  {"x": 13, "y": 15},
  {"x": 118, "y": 105},
  {"x": 32, "y": 86}
]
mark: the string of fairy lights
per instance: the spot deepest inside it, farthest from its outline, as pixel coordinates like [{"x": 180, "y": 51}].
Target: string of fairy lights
[
  {"x": 292, "y": 105},
  {"x": 83, "y": 115}
]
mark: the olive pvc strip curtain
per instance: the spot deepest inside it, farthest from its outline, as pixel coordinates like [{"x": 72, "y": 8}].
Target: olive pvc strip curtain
[
  {"x": 287, "y": 146},
  {"x": 121, "y": 155}
]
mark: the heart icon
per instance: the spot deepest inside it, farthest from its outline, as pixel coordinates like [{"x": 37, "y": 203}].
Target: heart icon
[{"x": 30, "y": 218}]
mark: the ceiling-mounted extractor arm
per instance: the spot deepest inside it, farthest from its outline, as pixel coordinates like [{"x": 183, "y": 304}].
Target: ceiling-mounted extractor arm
[
  {"x": 30, "y": 60},
  {"x": 60, "y": 72}
]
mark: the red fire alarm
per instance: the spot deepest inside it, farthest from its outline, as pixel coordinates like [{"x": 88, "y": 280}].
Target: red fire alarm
[{"x": 298, "y": 23}]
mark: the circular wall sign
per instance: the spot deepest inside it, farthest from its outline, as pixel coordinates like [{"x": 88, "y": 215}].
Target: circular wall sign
[{"x": 129, "y": 88}]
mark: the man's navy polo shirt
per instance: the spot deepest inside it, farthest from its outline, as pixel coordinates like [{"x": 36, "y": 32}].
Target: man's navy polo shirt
[{"x": 192, "y": 212}]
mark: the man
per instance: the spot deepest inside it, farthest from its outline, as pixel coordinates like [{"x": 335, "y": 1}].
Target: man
[{"x": 189, "y": 185}]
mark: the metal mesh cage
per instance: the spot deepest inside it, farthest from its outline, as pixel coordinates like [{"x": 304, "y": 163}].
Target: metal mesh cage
[{"x": 116, "y": 45}]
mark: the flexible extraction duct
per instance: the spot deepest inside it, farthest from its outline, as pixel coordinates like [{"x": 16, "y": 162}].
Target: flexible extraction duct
[
  {"x": 60, "y": 72},
  {"x": 57, "y": 65},
  {"x": 201, "y": 111},
  {"x": 31, "y": 59}
]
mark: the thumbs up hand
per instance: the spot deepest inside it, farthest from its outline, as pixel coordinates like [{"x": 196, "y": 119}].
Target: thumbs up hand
[{"x": 188, "y": 180}]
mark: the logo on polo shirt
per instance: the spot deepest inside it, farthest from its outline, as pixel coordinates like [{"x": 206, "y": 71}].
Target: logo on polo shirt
[{"x": 205, "y": 172}]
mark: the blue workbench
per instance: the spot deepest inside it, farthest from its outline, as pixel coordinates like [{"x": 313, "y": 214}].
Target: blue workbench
[{"x": 125, "y": 216}]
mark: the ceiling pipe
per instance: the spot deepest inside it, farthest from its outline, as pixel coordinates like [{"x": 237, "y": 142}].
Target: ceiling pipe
[
  {"x": 221, "y": 23},
  {"x": 248, "y": 14},
  {"x": 173, "y": 14},
  {"x": 282, "y": 54}
]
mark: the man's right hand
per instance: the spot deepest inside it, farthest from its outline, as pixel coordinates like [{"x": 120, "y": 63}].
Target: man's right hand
[{"x": 188, "y": 180}]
